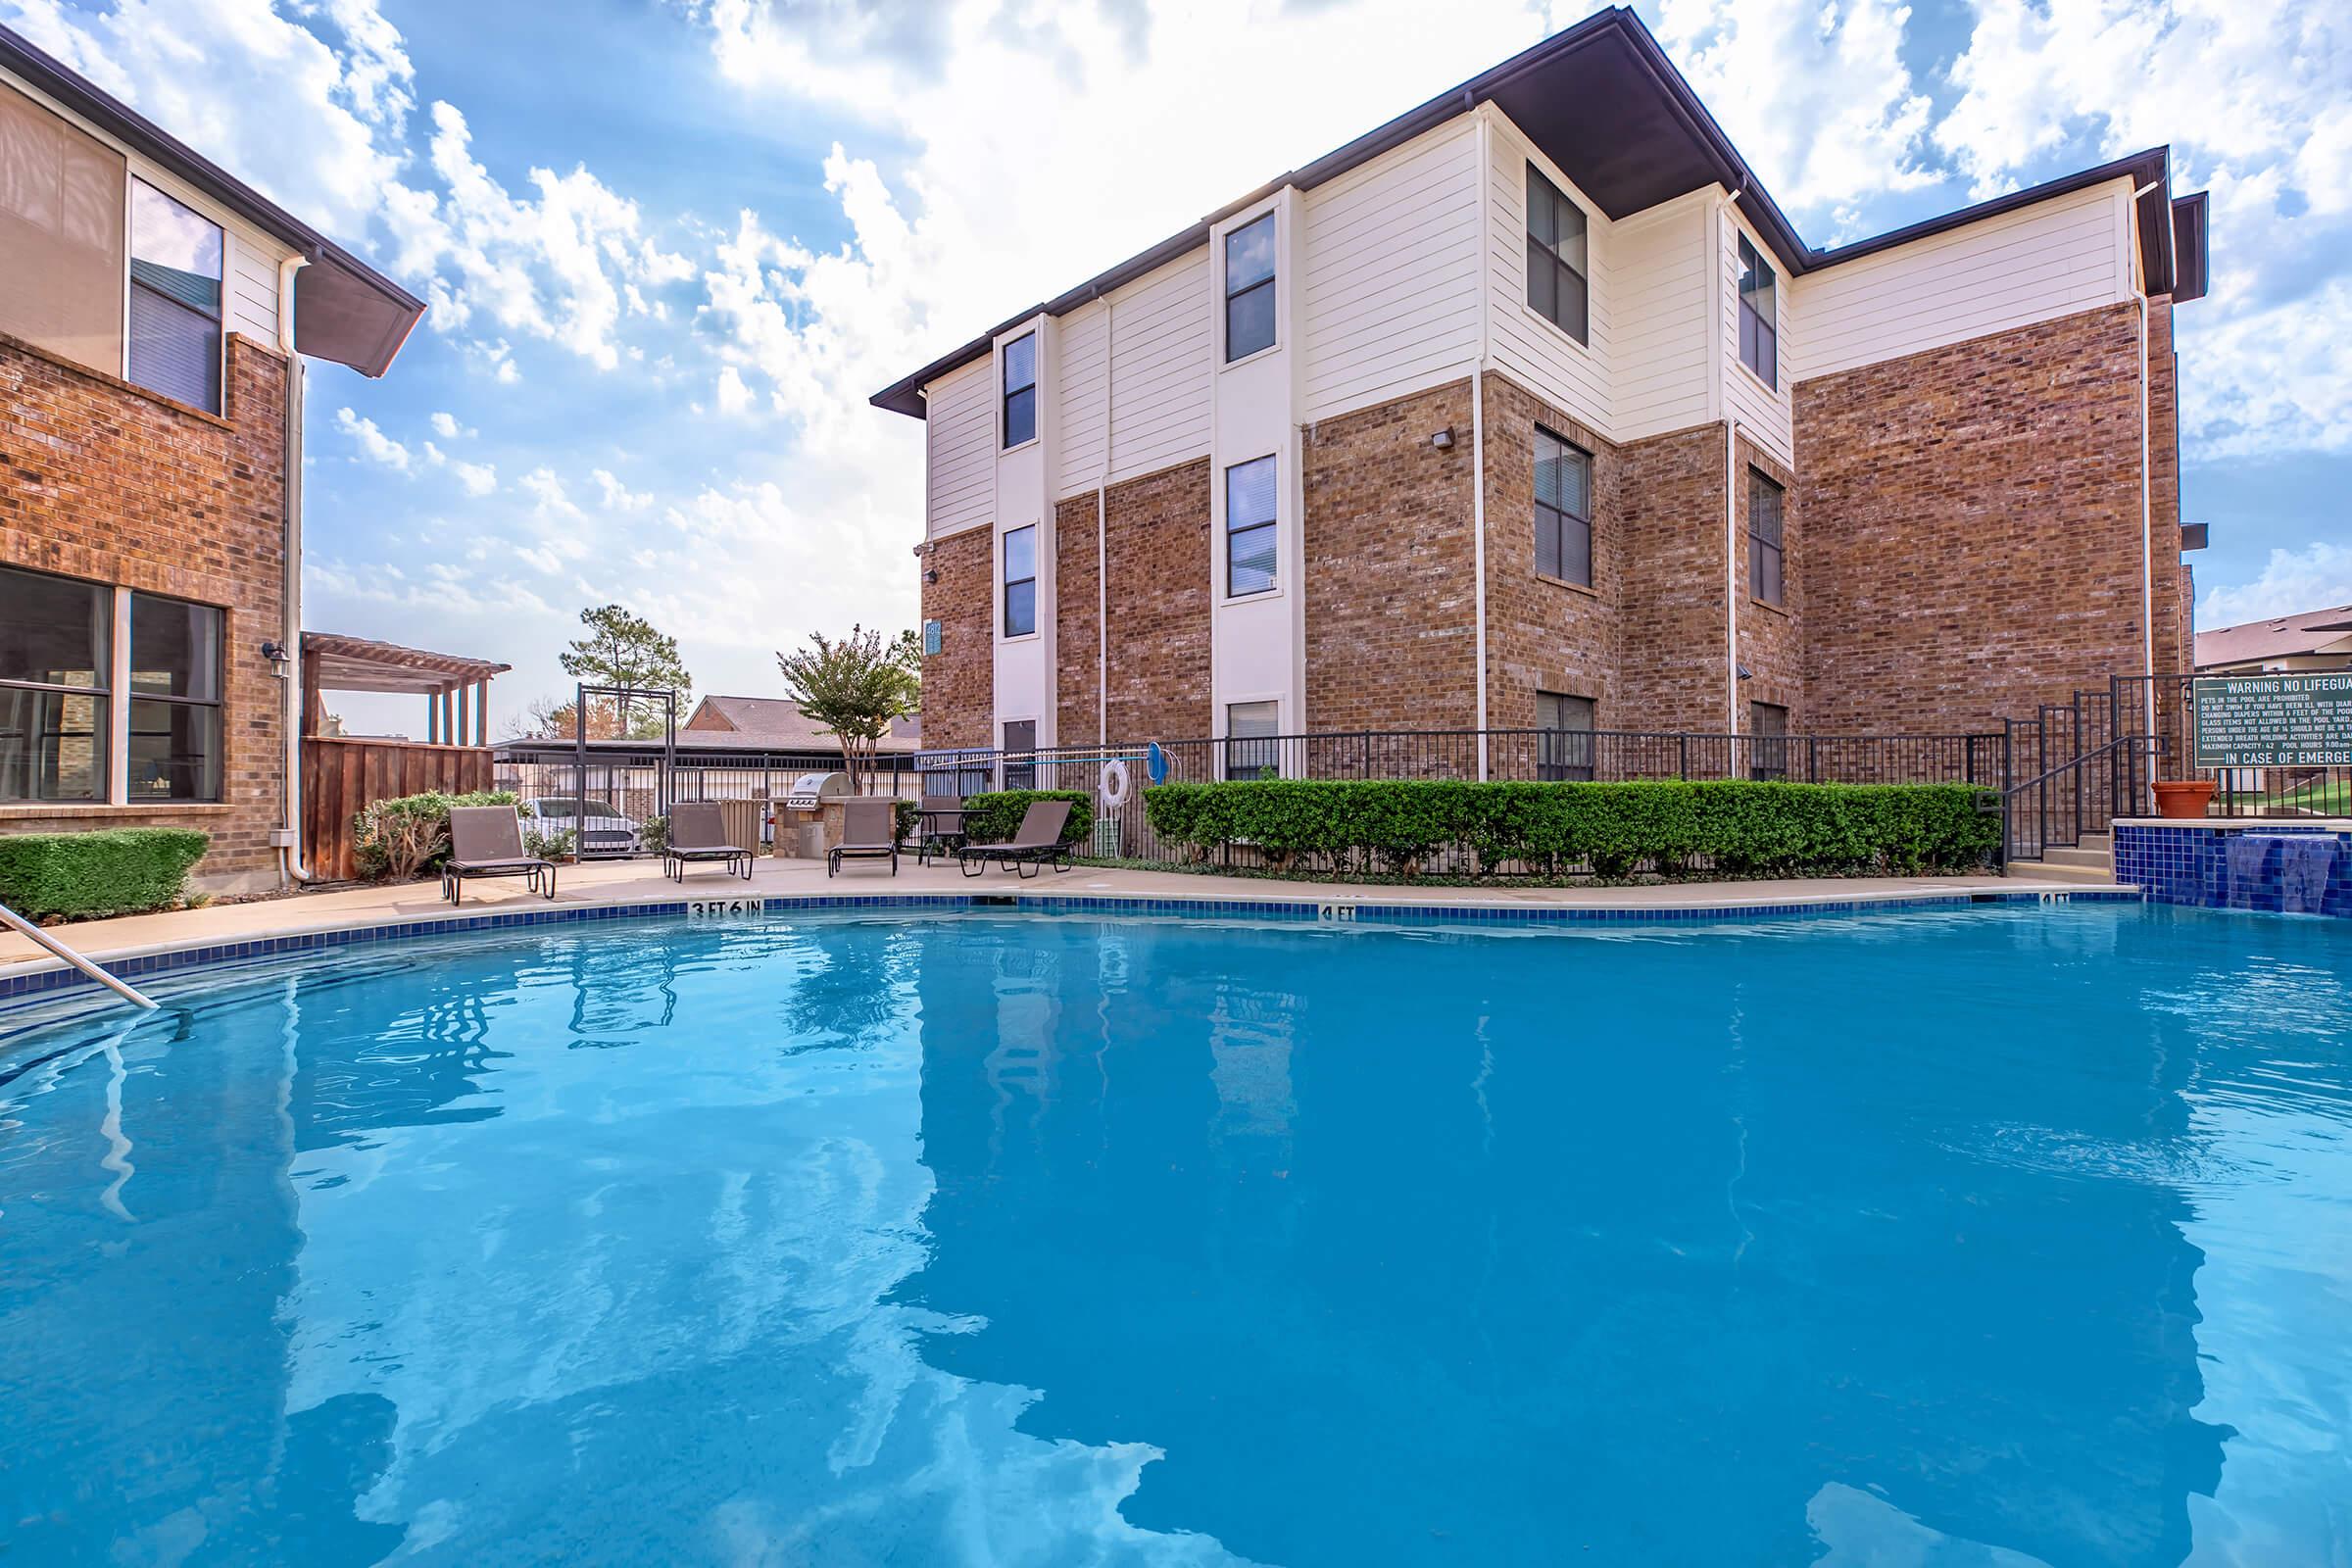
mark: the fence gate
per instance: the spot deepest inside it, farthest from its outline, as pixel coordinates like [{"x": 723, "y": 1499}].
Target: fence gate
[{"x": 603, "y": 835}]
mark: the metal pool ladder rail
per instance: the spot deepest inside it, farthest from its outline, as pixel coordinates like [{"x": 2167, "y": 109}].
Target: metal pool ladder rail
[{"x": 15, "y": 921}]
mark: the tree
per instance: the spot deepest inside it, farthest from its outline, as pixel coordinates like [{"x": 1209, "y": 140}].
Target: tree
[
  {"x": 854, "y": 687},
  {"x": 626, "y": 651}
]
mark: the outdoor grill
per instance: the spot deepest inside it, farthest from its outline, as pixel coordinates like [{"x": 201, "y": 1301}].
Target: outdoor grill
[{"x": 810, "y": 790}]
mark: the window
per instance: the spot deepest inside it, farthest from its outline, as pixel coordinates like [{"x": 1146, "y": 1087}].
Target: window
[
  {"x": 1768, "y": 748},
  {"x": 56, "y": 657},
  {"x": 1249, "y": 527},
  {"x": 174, "y": 300},
  {"x": 1021, "y": 581},
  {"x": 1250, "y": 289},
  {"x": 1020, "y": 390},
  {"x": 1564, "y": 751},
  {"x": 1759, "y": 328},
  {"x": 1020, "y": 740},
  {"x": 1252, "y": 746},
  {"x": 61, "y": 236},
  {"x": 174, "y": 738},
  {"x": 1563, "y": 510},
  {"x": 1766, "y": 558},
  {"x": 1555, "y": 257}
]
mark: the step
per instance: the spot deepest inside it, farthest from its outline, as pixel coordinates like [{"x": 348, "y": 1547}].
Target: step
[
  {"x": 2078, "y": 875},
  {"x": 2082, "y": 854}
]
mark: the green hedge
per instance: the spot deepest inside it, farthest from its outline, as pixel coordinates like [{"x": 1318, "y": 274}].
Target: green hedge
[
  {"x": 993, "y": 819},
  {"x": 1737, "y": 827},
  {"x": 408, "y": 835},
  {"x": 84, "y": 876}
]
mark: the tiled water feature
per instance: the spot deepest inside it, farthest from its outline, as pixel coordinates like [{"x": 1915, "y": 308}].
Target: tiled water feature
[{"x": 2274, "y": 867}]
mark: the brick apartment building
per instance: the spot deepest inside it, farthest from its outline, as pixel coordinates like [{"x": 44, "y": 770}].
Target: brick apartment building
[
  {"x": 154, "y": 311},
  {"x": 1528, "y": 409}
]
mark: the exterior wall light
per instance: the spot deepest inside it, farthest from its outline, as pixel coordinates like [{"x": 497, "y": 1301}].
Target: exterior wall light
[
  {"x": 1444, "y": 439},
  {"x": 282, "y": 662},
  {"x": 930, "y": 575}
]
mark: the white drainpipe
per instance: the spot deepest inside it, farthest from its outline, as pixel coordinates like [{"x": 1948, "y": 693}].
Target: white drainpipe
[{"x": 290, "y": 864}]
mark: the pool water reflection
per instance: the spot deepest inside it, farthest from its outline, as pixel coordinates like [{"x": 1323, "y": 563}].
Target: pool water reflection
[{"x": 2001, "y": 1237}]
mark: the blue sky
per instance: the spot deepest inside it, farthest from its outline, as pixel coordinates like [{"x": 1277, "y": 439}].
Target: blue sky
[{"x": 672, "y": 245}]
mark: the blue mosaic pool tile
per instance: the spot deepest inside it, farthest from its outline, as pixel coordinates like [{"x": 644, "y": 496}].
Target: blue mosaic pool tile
[{"x": 2191, "y": 865}]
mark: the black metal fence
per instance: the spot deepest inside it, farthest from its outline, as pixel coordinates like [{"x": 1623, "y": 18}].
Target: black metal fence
[{"x": 1123, "y": 831}]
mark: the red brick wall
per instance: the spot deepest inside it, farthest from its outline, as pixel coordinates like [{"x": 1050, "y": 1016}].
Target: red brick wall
[
  {"x": 1391, "y": 586},
  {"x": 2175, "y": 648},
  {"x": 959, "y": 681},
  {"x": 1971, "y": 527},
  {"x": 1674, "y": 675},
  {"x": 1155, "y": 530},
  {"x": 1076, "y": 613},
  {"x": 1771, "y": 644},
  {"x": 102, "y": 482},
  {"x": 1544, "y": 634}
]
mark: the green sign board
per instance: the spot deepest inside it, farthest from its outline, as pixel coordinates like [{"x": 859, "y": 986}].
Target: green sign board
[{"x": 2275, "y": 720}]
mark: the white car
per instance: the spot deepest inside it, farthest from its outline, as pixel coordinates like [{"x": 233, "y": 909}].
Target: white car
[{"x": 598, "y": 826}]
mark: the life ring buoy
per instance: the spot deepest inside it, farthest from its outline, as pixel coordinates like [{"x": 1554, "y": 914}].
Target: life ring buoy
[{"x": 1114, "y": 783}]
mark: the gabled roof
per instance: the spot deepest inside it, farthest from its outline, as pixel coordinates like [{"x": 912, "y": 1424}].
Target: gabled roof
[
  {"x": 2314, "y": 631},
  {"x": 776, "y": 723},
  {"x": 1604, "y": 103},
  {"x": 344, "y": 309}
]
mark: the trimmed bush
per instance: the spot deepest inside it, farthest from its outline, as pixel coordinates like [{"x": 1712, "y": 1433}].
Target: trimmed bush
[
  {"x": 1740, "y": 827},
  {"x": 86, "y": 876},
  {"x": 993, "y": 819},
  {"x": 401, "y": 839}
]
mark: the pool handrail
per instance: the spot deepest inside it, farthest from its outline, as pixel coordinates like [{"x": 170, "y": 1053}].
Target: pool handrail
[{"x": 18, "y": 922}]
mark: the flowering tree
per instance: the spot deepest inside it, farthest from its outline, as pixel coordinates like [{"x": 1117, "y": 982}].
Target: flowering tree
[{"x": 855, "y": 686}]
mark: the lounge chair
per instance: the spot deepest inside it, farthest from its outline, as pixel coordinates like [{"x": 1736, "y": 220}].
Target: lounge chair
[
  {"x": 697, "y": 832},
  {"x": 487, "y": 841},
  {"x": 1036, "y": 842},
  {"x": 939, "y": 826},
  {"x": 870, "y": 831}
]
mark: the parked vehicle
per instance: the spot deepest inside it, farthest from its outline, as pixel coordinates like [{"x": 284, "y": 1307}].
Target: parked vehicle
[{"x": 598, "y": 826}]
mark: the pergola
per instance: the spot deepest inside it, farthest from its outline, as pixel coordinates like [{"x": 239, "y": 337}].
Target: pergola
[{"x": 455, "y": 689}]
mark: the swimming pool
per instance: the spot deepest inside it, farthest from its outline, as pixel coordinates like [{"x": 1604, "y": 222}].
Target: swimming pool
[{"x": 1992, "y": 1237}]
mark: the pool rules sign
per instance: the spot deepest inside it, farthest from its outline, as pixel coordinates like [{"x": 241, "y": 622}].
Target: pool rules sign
[{"x": 2275, "y": 720}]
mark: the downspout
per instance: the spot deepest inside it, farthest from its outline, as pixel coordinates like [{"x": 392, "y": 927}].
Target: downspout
[
  {"x": 2148, "y": 518},
  {"x": 1110, "y": 365},
  {"x": 290, "y": 863},
  {"x": 1731, "y": 479},
  {"x": 1478, "y": 430}
]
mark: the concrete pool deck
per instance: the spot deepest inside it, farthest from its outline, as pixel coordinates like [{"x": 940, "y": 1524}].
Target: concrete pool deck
[{"x": 626, "y": 883}]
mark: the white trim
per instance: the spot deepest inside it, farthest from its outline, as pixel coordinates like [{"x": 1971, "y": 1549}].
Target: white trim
[
  {"x": 1478, "y": 410},
  {"x": 118, "y": 705},
  {"x": 2147, "y": 526}
]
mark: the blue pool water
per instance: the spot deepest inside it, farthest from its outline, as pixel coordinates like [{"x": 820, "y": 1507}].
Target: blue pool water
[{"x": 1972, "y": 1239}]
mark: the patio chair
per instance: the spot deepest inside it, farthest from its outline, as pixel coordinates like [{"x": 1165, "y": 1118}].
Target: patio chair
[
  {"x": 698, "y": 833},
  {"x": 1036, "y": 842},
  {"x": 939, "y": 826},
  {"x": 870, "y": 831},
  {"x": 487, "y": 841}
]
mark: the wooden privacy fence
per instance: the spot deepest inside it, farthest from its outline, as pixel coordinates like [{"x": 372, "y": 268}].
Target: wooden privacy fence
[{"x": 340, "y": 778}]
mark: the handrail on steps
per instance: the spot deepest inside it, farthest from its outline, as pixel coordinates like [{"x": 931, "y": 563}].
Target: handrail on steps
[{"x": 18, "y": 922}]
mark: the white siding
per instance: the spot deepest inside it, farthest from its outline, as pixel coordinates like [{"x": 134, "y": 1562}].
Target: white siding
[
  {"x": 1391, "y": 273},
  {"x": 962, "y": 431},
  {"x": 1083, "y": 429},
  {"x": 1665, "y": 286},
  {"x": 2034, "y": 265},
  {"x": 252, "y": 299},
  {"x": 1572, "y": 375},
  {"x": 1762, "y": 411},
  {"x": 1159, "y": 376}
]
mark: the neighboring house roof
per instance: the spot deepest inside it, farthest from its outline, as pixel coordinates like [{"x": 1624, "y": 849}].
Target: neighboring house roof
[
  {"x": 2315, "y": 631},
  {"x": 344, "y": 309},
  {"x": 1601, "y": 100},
  {"x": 777, "y": 724}
]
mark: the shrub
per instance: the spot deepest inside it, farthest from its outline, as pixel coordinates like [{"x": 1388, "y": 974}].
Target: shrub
[
  {"x": 1740, "y": 827},
  {"x": 654, "y": 836},
  {"x": 85, "y": 876},
  {"x": 402, "y": 838},
  {"x": 994, "y": 818}
]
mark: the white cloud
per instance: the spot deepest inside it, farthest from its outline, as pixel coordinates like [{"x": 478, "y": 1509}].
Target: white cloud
[
  {"x": 618, "y": 496},
  {"x": 555, "y": 266},
  {"x": 734, "y": 396},
  {"x": 547, "y": 491},
  {"x": 445, "y": 427},
  {"x": 2291, "y": 582},
  {"x": 373, "y": 444}
]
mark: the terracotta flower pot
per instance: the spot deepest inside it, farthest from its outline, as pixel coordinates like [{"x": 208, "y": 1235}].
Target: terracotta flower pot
[{"x": 2183, "y": 797}]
